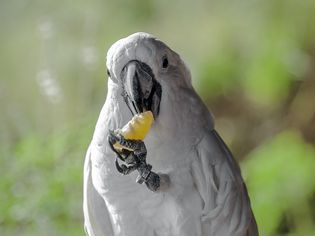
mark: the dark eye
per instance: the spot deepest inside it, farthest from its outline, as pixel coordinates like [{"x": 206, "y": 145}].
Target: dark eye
[
  {"x": 108, "y": 73},
  {"x": 165, "y": 62}
]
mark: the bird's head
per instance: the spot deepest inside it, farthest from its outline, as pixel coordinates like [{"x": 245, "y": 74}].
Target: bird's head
[{"x": 146, "y": 69}]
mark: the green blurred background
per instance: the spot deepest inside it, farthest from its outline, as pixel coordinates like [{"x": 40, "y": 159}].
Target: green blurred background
[{"x": 252, "y": 61}]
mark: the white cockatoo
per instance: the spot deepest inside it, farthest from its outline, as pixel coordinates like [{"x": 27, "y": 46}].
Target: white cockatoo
[{"x": 197, "y": 190}]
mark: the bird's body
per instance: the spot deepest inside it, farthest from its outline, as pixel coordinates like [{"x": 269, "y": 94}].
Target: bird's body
[{"x": 206, "y": 195}]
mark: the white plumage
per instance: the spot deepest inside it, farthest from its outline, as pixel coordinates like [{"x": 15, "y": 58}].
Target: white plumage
[{"x": 206, "y": 196}]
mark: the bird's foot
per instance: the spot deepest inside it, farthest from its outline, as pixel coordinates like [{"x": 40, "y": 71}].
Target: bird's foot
[
  {"x": 127, "y": 147},
  {"x": 150, "y": 178},
  {"x": 154, "y": 181},
  {"x": 133, "y": 153}
]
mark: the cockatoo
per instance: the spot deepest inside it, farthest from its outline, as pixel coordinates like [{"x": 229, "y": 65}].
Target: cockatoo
[{"x": 197, "y": 188}]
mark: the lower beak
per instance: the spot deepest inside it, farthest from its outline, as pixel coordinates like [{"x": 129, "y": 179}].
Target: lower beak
[{"x": 141, "y": 91}]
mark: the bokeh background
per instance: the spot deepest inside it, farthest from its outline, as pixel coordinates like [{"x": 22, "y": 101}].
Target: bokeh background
[{"x": 252, "y": 61}]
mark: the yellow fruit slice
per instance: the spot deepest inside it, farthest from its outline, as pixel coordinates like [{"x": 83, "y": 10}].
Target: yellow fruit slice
[{"x": 137, "y": 128}]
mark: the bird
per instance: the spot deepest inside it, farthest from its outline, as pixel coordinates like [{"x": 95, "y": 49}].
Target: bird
[{"x": 199, "y": 189}]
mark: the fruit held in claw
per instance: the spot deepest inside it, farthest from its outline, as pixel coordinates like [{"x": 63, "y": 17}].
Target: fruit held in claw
[{"x": 137, "y": 128}]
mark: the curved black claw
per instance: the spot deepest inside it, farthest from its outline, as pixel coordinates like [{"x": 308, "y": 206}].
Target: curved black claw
[
  {"x": 119, "y": 168},
  {"x": 123, "y": 169},
  {"x": 112, "y": 139}
]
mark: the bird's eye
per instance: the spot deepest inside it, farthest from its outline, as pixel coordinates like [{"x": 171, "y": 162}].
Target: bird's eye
[
  {"x": 165, "y": 63},
  {"x": 108, "y": 73}
]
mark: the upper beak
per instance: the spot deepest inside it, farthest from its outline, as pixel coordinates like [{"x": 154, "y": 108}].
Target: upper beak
[{"x": 142, "y": 92}]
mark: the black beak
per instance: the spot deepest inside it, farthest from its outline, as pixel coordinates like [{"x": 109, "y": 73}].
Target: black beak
[{"x": 141, "y": 90}]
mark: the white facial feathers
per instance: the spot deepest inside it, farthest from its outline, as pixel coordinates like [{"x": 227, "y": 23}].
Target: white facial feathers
[{"x": 146, "y": 48}]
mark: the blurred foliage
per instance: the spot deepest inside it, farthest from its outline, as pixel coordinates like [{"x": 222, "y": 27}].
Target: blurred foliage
[
  {"x": 252, "y": 61},
  {"x": 282, "y": 181},
  {"x": 41, "y": 192}
]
